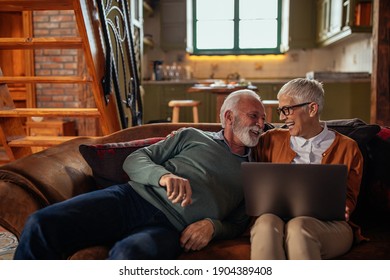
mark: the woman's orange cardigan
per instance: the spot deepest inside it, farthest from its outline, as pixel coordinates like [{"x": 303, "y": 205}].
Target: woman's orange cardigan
[{"x": 274, "y": 146}]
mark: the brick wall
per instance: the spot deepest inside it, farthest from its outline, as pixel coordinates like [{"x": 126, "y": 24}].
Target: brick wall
[{"x": 61, "y": 62}]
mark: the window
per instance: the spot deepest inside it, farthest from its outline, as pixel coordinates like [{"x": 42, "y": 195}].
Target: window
[{"x": 233, "y": 26}]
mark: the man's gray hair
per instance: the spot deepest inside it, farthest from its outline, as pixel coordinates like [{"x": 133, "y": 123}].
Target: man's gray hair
[
  {"x": 303, "y": 90},
  {"x": 231, "y": 101}
]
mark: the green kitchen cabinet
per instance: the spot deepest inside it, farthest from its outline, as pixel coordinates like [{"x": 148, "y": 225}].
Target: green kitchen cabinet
[
  {"x": 151, "y": 103},
  {"x": 339, "y": 19},
  {"x": 343, "y": 100},
  {"x": 269, "y": 91},
  {"x": 175, "y": 92},
  {"x": 157, "y": 96},
  {"x": 207, "y": 107},
  {"x": 346, "y": 100},
  {"x": 298, "y": 19},
  {"x": 173, "y": 24}
]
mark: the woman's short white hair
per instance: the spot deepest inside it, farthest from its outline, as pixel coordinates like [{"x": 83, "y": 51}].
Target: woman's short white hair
[
  {"x": 231, "y": 101},
  {"x": 304, "y": 90}
]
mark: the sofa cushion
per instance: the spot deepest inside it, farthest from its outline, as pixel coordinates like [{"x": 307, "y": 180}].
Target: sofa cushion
[
  {"x": 106, "y": 160},
  {"x": 385, "y": 133},
  {"x": 378, "y": 195},
  {"x": 359, "y": 131},
  {"x": 374, "y": 190},
  {"x": 356, "y": 129}
]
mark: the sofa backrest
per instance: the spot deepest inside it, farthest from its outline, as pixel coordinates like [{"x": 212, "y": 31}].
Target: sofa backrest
[{"x": 61, "y": 172}]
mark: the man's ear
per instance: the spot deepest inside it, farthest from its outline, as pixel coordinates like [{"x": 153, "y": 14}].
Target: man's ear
[
  {"x": 229, "y": 116},
  {"x": 313, "y": 109}
]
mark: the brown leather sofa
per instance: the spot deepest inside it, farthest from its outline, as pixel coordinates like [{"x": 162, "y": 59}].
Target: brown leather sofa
[{"x": 61, "y": 172}]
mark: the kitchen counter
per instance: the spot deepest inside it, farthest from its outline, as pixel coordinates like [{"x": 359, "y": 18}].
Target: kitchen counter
[
  {"x": 170, "y": 82},
  {"x": 331, "y": 77},
  {"x": 323, "y": 76},
  {"x": 203, "y": 81},
  {"x": 221, "y": 93}
]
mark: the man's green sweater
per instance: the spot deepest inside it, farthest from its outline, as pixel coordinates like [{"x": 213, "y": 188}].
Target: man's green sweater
[{"x": 213, "y": 171}]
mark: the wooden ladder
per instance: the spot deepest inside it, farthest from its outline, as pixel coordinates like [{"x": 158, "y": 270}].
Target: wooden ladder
[{"x": 12, "y": 133}]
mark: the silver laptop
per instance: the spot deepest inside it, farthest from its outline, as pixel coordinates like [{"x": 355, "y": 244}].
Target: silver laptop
[{"x": 291, "y": 190}]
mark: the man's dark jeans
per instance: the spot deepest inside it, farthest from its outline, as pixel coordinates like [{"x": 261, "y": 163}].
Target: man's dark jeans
[{"x": 116, "y": 216}]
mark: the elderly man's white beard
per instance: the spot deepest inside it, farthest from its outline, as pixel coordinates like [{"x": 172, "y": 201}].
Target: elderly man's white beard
[{"x": 244, "y": 133}]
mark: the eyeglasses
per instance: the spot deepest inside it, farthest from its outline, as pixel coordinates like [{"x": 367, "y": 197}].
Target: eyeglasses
[{"x": 288, "y": 110}]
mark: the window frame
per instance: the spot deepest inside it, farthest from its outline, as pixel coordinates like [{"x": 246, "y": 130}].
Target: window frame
[{"x": 192, "y": 32}]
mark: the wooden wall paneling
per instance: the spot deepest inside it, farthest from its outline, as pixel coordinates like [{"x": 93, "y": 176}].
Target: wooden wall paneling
[{"x": 380, "y": 79}]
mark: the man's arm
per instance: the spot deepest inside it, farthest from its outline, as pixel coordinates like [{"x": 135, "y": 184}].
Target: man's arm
[
  {"x": 145, "y": 166},
  {"x": 235, "y": 224},
  {"x": 199, "y": 234}
]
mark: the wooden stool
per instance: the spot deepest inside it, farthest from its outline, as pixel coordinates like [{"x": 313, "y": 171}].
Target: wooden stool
[
  {"x": 176, "y": 104},
  {"x": 269, "y": 105}
]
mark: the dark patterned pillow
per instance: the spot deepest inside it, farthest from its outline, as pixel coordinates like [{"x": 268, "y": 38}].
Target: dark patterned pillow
[
  {"x": 106, "y": 160},
  {"x": 364, "y": 135},
  {"x": 356, "y": 129}
]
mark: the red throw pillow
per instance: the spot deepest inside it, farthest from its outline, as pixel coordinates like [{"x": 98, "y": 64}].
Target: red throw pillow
[
  {"x": 106, "y": 160},
  {"x": 384, "y": 133}
]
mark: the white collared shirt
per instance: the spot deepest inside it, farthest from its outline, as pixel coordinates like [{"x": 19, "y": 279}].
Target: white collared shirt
[{"x": 311, "y": 150}]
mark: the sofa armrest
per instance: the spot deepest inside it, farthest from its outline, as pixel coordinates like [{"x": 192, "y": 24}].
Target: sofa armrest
[
  {"x": 16, "y": 204},
  {"x": 54, "y": 174},
  {"x": 41, "y": 179}
]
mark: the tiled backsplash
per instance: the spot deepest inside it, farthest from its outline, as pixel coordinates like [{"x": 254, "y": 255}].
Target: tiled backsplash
[{"x": 352, "y": 55}]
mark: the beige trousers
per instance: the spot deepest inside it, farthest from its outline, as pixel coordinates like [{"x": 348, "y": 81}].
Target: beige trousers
[{"x": 301, "y": 238}]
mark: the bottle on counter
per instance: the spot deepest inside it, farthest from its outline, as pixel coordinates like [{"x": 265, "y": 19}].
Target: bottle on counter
[{"x": 158, "y": 73}]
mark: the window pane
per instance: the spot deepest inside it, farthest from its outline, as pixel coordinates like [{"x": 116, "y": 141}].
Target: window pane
[
  {"x": 255, "y": 34},
  {"x": 214, "y": 9},
  {"x": 215, "y": 35},
  {"x": 256, "y": 9},
  {"x": 216, "y": 22}
]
